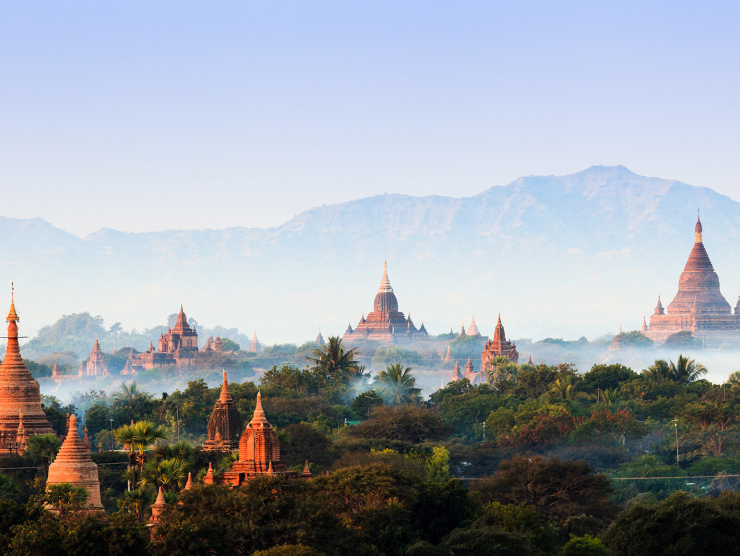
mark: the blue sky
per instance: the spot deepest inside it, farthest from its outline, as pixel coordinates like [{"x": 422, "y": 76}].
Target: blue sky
[{"x": 154, "y": 115}]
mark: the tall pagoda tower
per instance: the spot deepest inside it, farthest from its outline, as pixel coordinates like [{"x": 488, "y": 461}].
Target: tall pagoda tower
[
  {"x": 699, "y": 306},
  {"x": 225, "y": 424},
  {"x": 96, "y": 365},
  {"x": 499, "y": 346},
  {"x": 20, "y": 394}
]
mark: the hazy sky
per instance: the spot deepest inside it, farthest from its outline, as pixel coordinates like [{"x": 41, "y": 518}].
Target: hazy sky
[{"x": 153, "y": 115}]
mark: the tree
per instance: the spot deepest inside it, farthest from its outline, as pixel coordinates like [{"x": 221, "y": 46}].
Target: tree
[
  {"x": 137, "y": 437},
  {"x": 170, "y": 473},
  {"x": 397, "y": 385},
  {"x": 606, "y": 377},
  {"x": 556, "y": 489},
  {"x": 686, "y": 370},
  {"x": 334, "y": 363},
  {"x": 564, "y": 388},
  {"x": 659, "y": 370},
  {"x": 131, "y": 392},
  {"x": 65, "y": 497},
  {"x": 42, "y": 448},
  {"x": 405, "y": 423},
  {"x": 386, "y": 355},
  {"x": 712, "y": 422},
  {"x": 680, "y": 524},
  {"x": 134, "y": 502},
  {"x": 682, "y": 339},
  {"x": 583, "y": 546},
  {"x": 365, "y": 402}
]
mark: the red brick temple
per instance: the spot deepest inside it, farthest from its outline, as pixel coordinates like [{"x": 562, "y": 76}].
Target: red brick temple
[
  {"x": 20, "y": 396},
  {"x": 74, "y": 465},
  {"x": 499, "y": 346},
  {"x": 177, "y": 347},
  {"x": 259, "y": 454},
  {"x": 699, "y": 306},
  {"x": 385, "y": 323},
  {"x": 96, "y": 365},
  {"x": 225, "y": 424}
]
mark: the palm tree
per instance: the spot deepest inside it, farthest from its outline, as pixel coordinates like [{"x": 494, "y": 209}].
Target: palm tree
[
  {"x": 134, "y": 501},
  {"x": 170, "y": 473},
  {"x": 65, "y": 497},
  {"x": 8, "y": 487},
  {"x": 42, "y": 448},
  {"x": 686, "y": 370},
  {"x": 181, "y": 450},
  {"x": 137, "y": 436},
  {"x": 564, "y": 389},
  {"x": 659, "y": 370},
  {"x": 502, "y": 368},
  {"x": 131, "y": 392},
  {"x": 226, "y": 461},
  {"x": 397, "y": 385},
  {"x": 333, "y": 362}
]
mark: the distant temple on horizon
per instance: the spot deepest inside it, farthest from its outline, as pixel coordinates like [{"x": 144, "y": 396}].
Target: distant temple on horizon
[
  {"x": 177, "y": 347},
  {"x": 498, "y": 347},
  {"x": 699, "y": 306},
  {"x": 385, "y": 323}
]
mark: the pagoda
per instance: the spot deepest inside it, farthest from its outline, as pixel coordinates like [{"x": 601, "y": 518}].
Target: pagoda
[
  {"x": 74, "y": 465},
  {"x": 20, "y": 395},
  {"x": 177, "y": 347},
  {"x": 225, "y": 425},
  {"x": 255, "y": 346},
  {"x": 499, "y": 346},
  {"x": 259, "y": 453},
  {"x": 699, "y": 306},
  {"x": 96, "y": 365},
  {"x": 385, "y": 323}
]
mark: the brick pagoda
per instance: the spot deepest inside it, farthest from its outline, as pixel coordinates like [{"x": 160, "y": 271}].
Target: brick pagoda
[
  {"x": 20, "y": 396},
  {"x": 385, "y": 323},
  {"x": 96, "y": 365},
  {"x": 499, "y": 346},
  {"x": 177, "y": 347},
  {"x": 699, "y": 306},
  {"x": 259, "y": 454},
  {"x": 74, "y": 465},
  {"x": 225, "y": 425}
]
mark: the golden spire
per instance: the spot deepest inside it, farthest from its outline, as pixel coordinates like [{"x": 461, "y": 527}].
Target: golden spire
[{"x": 12, "y": 314}]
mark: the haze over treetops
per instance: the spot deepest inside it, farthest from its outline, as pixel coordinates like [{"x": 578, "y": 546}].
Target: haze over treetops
[{"x": 556, "y": 255}]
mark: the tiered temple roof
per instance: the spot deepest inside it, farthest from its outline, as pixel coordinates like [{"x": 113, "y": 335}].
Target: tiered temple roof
[
  {"x": 499, "y": 346},
  {"x": 20, "y": 394},
  {"x": 385, "y": 323},
  {"x": 96, "y": 365},
  {"x": 225, "y": 425},
  {"x": 699, "y": 306},
  {"x": 177, "y": 347},
  {"x": 74, "y": 465}
]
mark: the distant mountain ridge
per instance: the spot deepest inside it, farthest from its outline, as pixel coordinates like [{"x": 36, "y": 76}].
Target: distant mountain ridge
[{"x": 556, "y": 255}]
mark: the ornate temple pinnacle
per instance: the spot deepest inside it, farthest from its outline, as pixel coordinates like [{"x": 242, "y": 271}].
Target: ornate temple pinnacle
[
  {"x": 698, "y": 230},
  {"x": 12, "y": 314},
  {"x": 385, "y": 283}
]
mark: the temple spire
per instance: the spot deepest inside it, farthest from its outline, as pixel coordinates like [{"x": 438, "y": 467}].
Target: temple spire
[
  {"x": 259, "y": 413},
  {"x": 12, "y": 314},
  {"x": 697, "y": 229},
  {"x": 385, "y": 283},
  {"x": 225, "y": 394}
]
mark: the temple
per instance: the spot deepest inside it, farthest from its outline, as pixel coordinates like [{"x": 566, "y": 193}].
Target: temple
[
  {"x": 385, "y": 323},
  {"x": 259, "y": 454},
  {"x": 473, "y": 329},
  {"x": 699, "y": 306},
  {"x": 225, "y": 424},
  {"x": 96, "y": 365},
  {"x": 255, "y": 346},
  {"x": 498, "y": 347},
  {"x": 177, "y": 347},
  {"x": 21, "y": 415},
  {"x": 74, "y": 465}
]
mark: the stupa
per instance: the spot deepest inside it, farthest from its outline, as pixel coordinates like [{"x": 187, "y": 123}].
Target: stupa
[
  {"x": 259, "y": 453},
  {"x": 255, "y": 346},
  {"x": 74, "y": 465},
  {"x": 20, "y": 394},
  {"x": 499, "y": 346},
  {"x": 456, "y": 373},
  {"x": 225, "y": 425},
  {"x": 699, "y": 306},
  {"x": 385, "y": 323}
]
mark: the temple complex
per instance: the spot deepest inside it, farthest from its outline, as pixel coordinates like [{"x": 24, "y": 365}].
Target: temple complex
[
  {"x": 225, "y": 425},
  {"x": 259, "y": 454},
  {"x": 96, "y": 365},
  {"x": 456, "y": 373},
  {"x": 74, "y": 465},
  {"x": 699, "y": 306},
  {"x": 499, "y": 346},
  {"x": 20, "y": 396},
  {"x": 473, "y": 329},
  {"x": 177, "y": 347},
  {"x": 385, "y": 323}
]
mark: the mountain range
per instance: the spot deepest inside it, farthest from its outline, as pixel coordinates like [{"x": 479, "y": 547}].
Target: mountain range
[{"x": 562, "y": 256}]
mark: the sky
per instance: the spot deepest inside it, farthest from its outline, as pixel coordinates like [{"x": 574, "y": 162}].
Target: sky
[{"x": 144, "y": 116}]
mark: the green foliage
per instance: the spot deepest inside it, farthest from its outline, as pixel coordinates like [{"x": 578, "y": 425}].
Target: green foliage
[
  {"x": 466, "y": 346},
  {"x": 520, "y": 519},
  {"x": 388, "y": 355},
  {"x": 365, "y": 402},
  {"x": 464, "y": 406},
  {"x": 334, "y": 363},
  {"x": 288, "y": 550},
  {"x": 397, "y": 385},
  {"x": 680, "y": 524},
  {"x": 65, "y": 497},
  {"x": 406, "y": 423},
  {"x": 682, "y": 339},
  {"x": 438, "y": 465},
  {"x": 305, "y": 443},
  {"x": 583, "y": 546},
  {"x": 38, "y": 370},
  {"x": 635, "y": 339},
  {"x": 230, "y": 345},
  {"x": 606, "y": 377}
]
